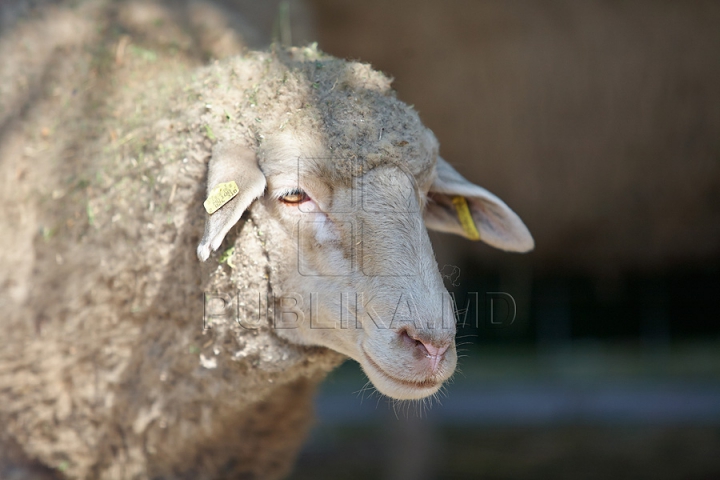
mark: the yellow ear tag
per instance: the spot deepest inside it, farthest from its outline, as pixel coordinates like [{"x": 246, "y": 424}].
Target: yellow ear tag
[
  {"x": 466, "y": 220},
  {"x": 221, "y": 194}
]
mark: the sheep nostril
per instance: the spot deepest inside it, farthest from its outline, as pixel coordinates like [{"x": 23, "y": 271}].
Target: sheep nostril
[
  {"x": 408, "y": 340},
  {"x": 427, "y": 349}
]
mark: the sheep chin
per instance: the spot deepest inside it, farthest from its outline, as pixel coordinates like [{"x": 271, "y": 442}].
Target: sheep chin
[{"x": 395, "y": 387}]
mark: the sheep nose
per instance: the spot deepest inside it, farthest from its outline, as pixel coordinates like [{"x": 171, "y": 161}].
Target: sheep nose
[{"x": 433, "y": 349}]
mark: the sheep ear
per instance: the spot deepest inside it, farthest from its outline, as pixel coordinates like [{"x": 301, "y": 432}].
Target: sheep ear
[
  {"x": 233, "y": 169},
  {"x": 458, "y": 206}
]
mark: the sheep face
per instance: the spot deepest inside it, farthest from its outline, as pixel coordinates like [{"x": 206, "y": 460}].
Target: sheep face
[
  {"x": 354, "y": 265},
  {"x": 363, "y": 267}
]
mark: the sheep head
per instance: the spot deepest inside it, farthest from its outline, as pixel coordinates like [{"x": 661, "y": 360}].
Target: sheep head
[{"x": 348, "y": 193}]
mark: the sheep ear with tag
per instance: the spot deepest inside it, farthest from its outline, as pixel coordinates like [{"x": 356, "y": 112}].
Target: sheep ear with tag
[
  {"x": 234, "y": 181},
  {"x": 457, "y": 206}
]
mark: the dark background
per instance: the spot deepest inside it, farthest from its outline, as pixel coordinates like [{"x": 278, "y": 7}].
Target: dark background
[{"x": 598, "y": 122}]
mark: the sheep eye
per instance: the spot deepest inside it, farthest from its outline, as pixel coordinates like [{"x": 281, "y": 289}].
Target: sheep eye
[{"x": 294, "y": 197}]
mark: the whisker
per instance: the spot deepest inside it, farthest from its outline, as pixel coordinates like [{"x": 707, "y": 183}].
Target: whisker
[{"x": 460, "y": 337}]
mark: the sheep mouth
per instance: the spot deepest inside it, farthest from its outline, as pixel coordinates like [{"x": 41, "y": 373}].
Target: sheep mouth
[{"x": 423, "y": 385}]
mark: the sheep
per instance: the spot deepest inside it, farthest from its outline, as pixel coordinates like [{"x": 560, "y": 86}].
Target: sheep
[{"x": 140, "y": 344}]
